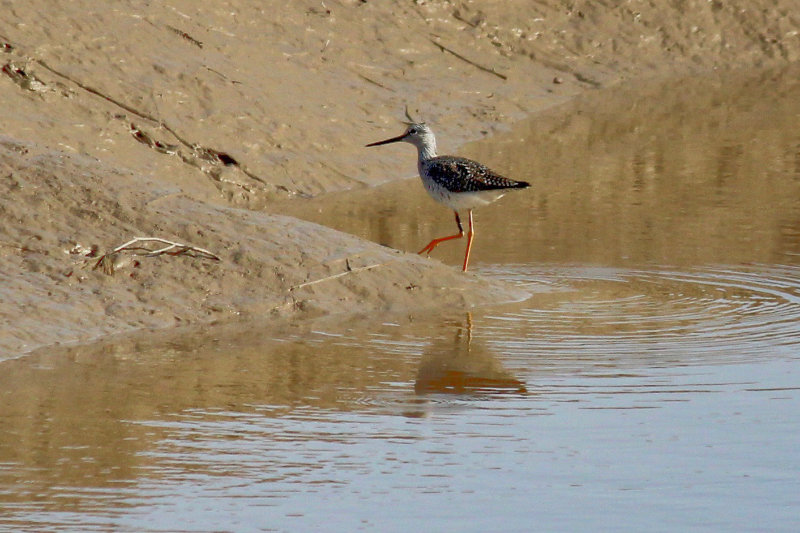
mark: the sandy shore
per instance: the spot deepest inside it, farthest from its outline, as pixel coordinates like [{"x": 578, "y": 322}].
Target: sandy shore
[{"x": 185, "y": 121}]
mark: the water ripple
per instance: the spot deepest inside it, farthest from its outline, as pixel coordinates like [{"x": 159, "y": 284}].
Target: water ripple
[{"x": 716, "y": 312}]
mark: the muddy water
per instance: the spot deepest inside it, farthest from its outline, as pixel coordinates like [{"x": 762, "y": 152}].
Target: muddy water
[{"x": 651, "y": 383}]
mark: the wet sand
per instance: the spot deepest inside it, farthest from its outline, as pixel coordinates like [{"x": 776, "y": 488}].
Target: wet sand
[{"x": 185, "y": 121}]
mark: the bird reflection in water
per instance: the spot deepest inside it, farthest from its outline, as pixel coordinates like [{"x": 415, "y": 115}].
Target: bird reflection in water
[{"x": 463, "y": 365}]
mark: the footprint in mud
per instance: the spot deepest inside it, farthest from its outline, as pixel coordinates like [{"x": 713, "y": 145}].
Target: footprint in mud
[
  {"x": 24, "y": 79},
  {"x": 148, "y": 140},
  {"x": 209, "y": 155}
]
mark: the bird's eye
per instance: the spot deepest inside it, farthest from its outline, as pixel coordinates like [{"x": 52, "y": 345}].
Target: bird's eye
[{"x": 412, "y": 131}]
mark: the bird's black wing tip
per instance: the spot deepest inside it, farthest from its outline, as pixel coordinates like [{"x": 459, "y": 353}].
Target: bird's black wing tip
[{"x": 522, "y": 185}]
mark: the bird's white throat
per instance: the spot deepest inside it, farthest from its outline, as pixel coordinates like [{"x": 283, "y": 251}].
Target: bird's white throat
[{"x": 426, "y": 147}]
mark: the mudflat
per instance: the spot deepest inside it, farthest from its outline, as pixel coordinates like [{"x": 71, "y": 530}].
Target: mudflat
[{"x": 187, "y": 121}]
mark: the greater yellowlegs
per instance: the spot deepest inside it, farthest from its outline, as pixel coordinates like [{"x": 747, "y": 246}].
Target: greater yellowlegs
[{"x": 457, "y": 182}]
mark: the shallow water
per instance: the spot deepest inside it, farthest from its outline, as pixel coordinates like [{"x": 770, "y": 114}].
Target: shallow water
[{"x": 651, "y": 383}]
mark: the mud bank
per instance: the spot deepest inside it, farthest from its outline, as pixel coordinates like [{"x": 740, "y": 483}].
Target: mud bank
[{"x": 183, "y": 121}]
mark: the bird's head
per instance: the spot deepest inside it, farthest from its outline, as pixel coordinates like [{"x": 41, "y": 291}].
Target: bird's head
[{"x": 418, "y": 134}]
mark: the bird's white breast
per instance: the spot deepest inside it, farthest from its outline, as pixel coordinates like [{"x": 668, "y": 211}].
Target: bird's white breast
[{"x": 461, "y": 200}]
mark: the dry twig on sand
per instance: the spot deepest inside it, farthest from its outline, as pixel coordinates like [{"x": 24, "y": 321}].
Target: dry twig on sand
[
  {"x": 339, "y": 275},
  {"x": 138, "y": 247}
]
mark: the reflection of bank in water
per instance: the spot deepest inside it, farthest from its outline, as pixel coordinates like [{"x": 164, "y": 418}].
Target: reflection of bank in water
[
  {"x": 697, "y": 171},
  {"x": 462, "y": 365}
]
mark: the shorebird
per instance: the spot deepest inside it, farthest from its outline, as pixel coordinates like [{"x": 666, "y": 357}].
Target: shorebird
[{"x": 457, "y": 182}]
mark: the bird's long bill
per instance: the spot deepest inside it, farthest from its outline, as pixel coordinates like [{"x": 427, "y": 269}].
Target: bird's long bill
[{"x": 387, "y": 141}]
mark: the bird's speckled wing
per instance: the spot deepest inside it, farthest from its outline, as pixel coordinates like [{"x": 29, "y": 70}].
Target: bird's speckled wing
[{"x": 459, "y": 174}]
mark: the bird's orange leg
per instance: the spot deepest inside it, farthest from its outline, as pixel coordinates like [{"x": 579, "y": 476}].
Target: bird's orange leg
[
  {"x": 469, "y": 241},
  {"x": 435, "y": 242}
]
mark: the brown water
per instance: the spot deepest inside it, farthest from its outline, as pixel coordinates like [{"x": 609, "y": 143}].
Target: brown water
[{"x": 652, "y": 382}]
